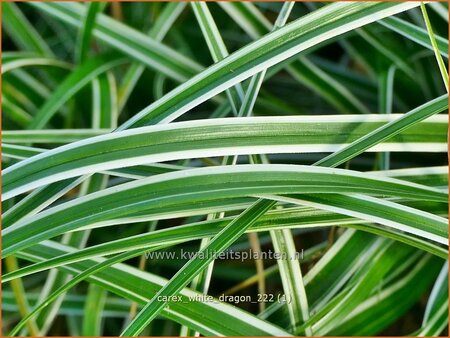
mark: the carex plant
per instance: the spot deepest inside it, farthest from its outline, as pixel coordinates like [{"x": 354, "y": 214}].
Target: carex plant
[{"x": 135, "y": 132}]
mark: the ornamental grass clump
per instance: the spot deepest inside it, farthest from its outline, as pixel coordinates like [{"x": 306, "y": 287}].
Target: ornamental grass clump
[{"x": 224, "y": 169}]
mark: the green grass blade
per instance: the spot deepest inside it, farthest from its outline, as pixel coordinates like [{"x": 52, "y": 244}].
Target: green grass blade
[
  {"x": 95, "y": 302},
  {"x": 85, "y": 33},
  {"x": 16, "y": 60},
  {"x": 441, "y": 64},
  {"x": 386, "y": 90},
  {"x": 291, "y": 277},
  {"x": 371, "y": 209},
  {"x": 416, "y": 34},
  {"x": 54, "y": 136},
  {"x": 228, "y": 137},
  {"x": 19, "y": 152},
  {"x": 216, "y": 47},
  {"x": 104, "y": 110},
  {"x": 414, "y": 116},
  {"x": 214, "y": 184}
]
